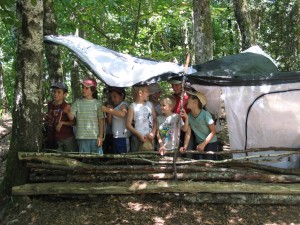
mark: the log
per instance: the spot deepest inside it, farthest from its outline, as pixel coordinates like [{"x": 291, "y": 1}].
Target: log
[
  {"x": 144, "y": 187},
  {"x": 195, "y": 176},
  {"x": 241, "y": 199}
]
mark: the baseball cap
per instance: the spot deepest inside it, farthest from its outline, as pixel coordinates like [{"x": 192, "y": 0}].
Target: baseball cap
[
  {"x": 154, "y": 88},
  {"x": 200, "y": 96},
  {"x": 175, "y": 81},
  {"x": 60, "y": 85},
  {"x": 89, "y": 83}
]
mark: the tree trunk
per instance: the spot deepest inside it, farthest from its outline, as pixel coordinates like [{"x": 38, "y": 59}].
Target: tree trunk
[
  {"x": 136, "y": 187},
  {"x": 3, "y": 99},
  {"x": 202, "y": 31},
  {"x": 52, "y": 52},
  {"x": 27, "y": 112},
  {"x": 245, "y": 23}
]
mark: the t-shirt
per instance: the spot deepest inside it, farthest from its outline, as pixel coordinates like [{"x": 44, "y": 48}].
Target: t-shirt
[
  {"x": 143, "y": 118},
  {"x": 199, "y": 125},
  {"x": 119, "y": 124},
  {"x": 55, "y": 115},
  {"x": 168, "y": 130},
  {"x": 88, "y": 113}
]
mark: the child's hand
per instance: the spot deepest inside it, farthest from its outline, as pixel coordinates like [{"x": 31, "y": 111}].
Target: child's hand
[
  {"x": 201, "y": 147},
  {"x": 58, "y": 126},
  {"x": 183, "y": 114},
  {"x": 182, "y": 149},
  {"x": 99, "y": 141},
  {"x": 104, "y": 108},
  {"x": 143, "y": 138},
  {"x": 150, "y": 136},
  {"x": 162, "y": 150},
  {"x": 67, "y": 109}
]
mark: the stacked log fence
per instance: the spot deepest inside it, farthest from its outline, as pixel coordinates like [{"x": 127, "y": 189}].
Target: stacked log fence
[{"x": 229, "y": 180}]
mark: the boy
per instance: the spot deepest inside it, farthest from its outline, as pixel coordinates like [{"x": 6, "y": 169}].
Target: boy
[
  {"x": 142, "y": 113},
  {"x": 60, "y": 131}
]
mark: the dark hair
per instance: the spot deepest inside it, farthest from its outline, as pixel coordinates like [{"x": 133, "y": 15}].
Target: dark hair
[{"x": 95, "y": 92}]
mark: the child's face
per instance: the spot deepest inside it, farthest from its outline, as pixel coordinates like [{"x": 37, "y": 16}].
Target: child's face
[
  {"x": 86, "y": 92},
  {"x": 144, "y": 94},
  {"x": 177, "y": 88},
  {"x": 58, "y": 95},
  {"x": 116, "y": 98},
  {"x": 192, "y": 102},
  {"x": 165, "y": 108}
]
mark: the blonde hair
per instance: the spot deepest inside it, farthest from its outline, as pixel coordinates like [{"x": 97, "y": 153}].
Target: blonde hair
[
  {"x": 136, "y": 90},
  {"x": 169, "y": 100}
]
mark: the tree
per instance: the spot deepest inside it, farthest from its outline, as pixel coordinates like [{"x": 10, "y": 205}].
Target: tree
[
  {"x": 28, "y": 97},
  {"x": 3, "y": 99},
  {"x": 202, "y": 31},
  {"x": 52, "y": 52},
  {"x": 244, "y": 21}
]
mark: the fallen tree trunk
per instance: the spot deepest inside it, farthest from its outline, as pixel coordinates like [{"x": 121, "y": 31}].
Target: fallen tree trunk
[
  {"x": 155, "y": 187},
  {"x": 228, "y": 176}
]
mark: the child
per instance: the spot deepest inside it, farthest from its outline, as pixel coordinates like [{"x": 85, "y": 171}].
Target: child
[
  {"x": 141, "y": 112},
  {"x": 168, "y": 126},
  {"x": 117, "y": 118},
  {"x": 89, "y": 119},
  {"x": 60, "y": 131},
  {"x": 202, "y": 124},
  {"x": 155, "y": 92}
]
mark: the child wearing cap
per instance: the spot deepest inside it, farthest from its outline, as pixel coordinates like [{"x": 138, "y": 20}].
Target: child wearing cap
[
  {"x": 116, "y": 116},
  {"x": 60, "y": 131},
  {"x": 169, "y": 125},
  {"x": 202, "y": 123},
  {"x": 141, "y": 120},
  {"x": 89, "y": 119},
  {"x": 155, "y": 92}
]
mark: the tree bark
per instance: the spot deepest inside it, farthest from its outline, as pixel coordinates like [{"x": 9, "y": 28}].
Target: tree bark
[
  {"x": 244, "y": 21},
  {"x": 52, "y": 52},
  {"x": 3, "y": 99},
  {"x": 27, "y": 111},
  {"x": 202, "y": 31}
]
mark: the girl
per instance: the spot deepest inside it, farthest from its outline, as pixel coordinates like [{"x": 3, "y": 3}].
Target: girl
[
  {"x": 89, "y": 119},
  {"x": 168, "y": 124},
  {"x": 142, "y": 113},
  {"x": 117, "y": 118},
  {"x": 201, "y": 122}
]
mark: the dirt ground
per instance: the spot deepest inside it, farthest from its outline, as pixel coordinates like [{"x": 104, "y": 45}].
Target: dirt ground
[{"x": 157, "y": 209}]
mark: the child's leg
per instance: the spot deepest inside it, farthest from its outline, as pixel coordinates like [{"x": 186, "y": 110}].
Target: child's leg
[
  {"x": 135, "y": 143},
  {"x": 68, "y": 145},
  {"x": 213, "y": 147},
  {"x": 120, "y": 145}
]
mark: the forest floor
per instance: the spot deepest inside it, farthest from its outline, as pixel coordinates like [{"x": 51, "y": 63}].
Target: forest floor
[{"x": 158, "y": 209}]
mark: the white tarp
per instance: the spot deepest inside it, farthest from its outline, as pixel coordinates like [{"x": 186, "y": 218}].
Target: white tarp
[
  {"x": 115, "y": 68},
  {"x": 273, "y": 119}
]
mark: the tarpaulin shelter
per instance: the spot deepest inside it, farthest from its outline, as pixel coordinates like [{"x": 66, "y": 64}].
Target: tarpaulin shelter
[{"x": 261, "y": 103}]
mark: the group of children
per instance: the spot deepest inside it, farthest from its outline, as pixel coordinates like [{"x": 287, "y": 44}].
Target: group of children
[{"x": 135, "y": 126}]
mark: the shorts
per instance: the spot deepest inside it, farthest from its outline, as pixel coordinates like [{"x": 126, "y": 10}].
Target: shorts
[
  {"x": 121, "y": 145},
  {"x": 89, "y": 146},
  {"x": 68, "y": 145}
]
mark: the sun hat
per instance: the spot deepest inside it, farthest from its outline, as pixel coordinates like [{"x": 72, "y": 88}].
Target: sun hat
[
  {"x": 89, "y": 83},
  {"x": 60, "y": 85},
  {"x": 200, "y": 96},
  {"x": 174, "y": 81},
  {"x": 154, "y": 88}
]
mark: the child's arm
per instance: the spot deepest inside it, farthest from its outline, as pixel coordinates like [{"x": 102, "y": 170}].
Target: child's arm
[
  {"x": 162, "y": 148},
  {"x": 186, "y": 140},
  {"x": 151, "y": 135},
  {"x": 120, "y": 113},
  {"x": 212, "y": 128},
  {"x": 70, "y": 122},
  {"x": 185, "y": 127},
  {"x": 101, "y": 130},
  {"x": 130, "y": 127}
]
